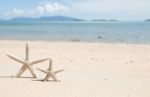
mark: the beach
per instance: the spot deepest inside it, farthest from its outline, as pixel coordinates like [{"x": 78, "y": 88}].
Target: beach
[{"x": 92, "y": 69}]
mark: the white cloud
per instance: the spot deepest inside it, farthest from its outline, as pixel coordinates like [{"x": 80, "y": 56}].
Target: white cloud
[
  {"x": 51, "y": 8},
  {"x": 15, "y": 12},
  {"x": 44, "y": 9}
]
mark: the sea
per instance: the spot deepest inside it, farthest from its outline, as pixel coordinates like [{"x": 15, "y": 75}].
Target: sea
[{"x": 84, "y": 31}]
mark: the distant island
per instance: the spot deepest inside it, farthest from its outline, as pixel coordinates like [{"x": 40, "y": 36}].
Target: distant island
[
  {"x": 105, "y": 20},
  {"x": 1, "y": 20},
  {"x": 147, "y": 20},
  {"x": 55, "y": 18},
  {"x": 42, "y": 19}
]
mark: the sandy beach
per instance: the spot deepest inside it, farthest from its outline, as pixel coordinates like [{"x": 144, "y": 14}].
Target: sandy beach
[{"x": 91, "y": 69}]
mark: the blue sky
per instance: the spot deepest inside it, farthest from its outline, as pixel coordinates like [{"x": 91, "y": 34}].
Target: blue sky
[{"x": 85, "y": 9}]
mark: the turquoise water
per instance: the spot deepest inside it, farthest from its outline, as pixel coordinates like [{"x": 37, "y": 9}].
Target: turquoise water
[{"x": 129, "y": 32}]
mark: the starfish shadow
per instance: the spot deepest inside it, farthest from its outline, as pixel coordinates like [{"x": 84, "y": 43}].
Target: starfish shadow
[
  {"x": 14, "y": 77},
  {"x": 24, "y": 77},
  {"x": 6, "y": 76},
  {"x": 45, "y": 81}
]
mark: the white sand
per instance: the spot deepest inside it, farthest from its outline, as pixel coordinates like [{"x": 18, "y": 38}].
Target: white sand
[{"x": 91, "y": 70}]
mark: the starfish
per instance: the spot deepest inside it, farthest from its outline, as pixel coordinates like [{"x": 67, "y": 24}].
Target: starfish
[
  {"x": 26, "y": 63},
  {"x": 49, "y": 72}
]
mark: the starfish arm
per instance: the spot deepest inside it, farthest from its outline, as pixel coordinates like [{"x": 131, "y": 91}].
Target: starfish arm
[
  {"x": 46, "y": 77},
  {"x": 42, "y": 70},
  {"x": 38, "y": 61},
  {"x": 54, "y": 77},
  {"x": 22, "y": 69},
  {"x": 58, "y": 71},
  {"x": 32, "y": 71},
  {"x": 50, "y": 64},
  {"x": 27, "y": 51},
  {"x": 14, "y": 58}
]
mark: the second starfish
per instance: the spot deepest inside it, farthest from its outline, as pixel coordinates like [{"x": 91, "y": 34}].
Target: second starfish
[{"x": 49, "y": 72}]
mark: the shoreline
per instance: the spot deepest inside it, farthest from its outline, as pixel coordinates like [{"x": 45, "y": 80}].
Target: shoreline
[{"x": 77, "y": 41}]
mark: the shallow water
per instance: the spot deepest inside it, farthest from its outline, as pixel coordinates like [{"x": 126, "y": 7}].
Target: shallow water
[{"x": 128, "y": 32}]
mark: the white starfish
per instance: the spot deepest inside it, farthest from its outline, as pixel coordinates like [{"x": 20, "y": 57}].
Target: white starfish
[
  {"x": 26, "y": 63},
  {"x": 49, "y": 73}
]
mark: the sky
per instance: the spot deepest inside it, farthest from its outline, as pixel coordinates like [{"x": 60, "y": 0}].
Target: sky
[{"x": 83, "y": 9}]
